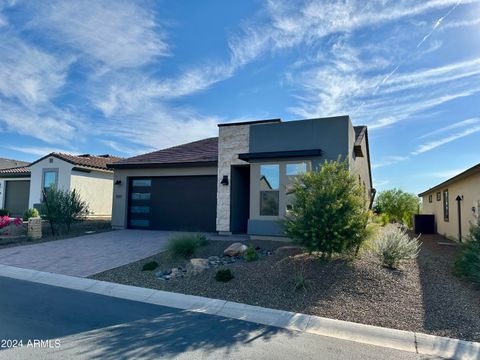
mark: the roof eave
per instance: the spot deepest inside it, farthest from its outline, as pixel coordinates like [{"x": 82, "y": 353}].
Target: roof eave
[
  {"x": 470, "y": 171},
  {"x": 162, "y": 165}
]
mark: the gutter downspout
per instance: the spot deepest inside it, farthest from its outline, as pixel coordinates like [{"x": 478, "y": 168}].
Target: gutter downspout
[{"x": 459, "y": 199}]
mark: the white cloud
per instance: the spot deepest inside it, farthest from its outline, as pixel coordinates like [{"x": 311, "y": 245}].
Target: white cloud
[
  {"x": 441, "y": 174},
  {"x": 460, "y": 124},
  {"x": 39, "y": 150},
  {"x": 118, "y": 33},
  {"x": 388, "y": 160},
  {"x": 434, "y": 144},
  {"x": 28, "y": 74}
]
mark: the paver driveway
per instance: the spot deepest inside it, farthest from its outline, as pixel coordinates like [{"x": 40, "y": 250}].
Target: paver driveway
[{"x": 87, "y": 255}]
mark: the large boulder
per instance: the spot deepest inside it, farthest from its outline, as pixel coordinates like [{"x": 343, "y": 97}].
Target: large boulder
[
  {"x": 236, "y": 249},
  {"x": 197, "y": 265}
]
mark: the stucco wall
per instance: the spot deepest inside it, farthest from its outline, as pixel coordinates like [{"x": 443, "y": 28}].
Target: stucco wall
[
  {"x": 470, "y": 189},
  {"x": 233, "y": 140},
  {"x": 2, "y": 188},
  {"x": 36, "y": 178},
  {"x": 120, "y": 192},
  {"x": 359, "y": 165},
  {"x": 96, "y": 188}
]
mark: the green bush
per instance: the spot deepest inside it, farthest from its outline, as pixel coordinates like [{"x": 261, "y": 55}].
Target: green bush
[
  {"x": 185, "y": 245},
  {"x": 330, "y": 210},
  {"x": 398, "y": 205},
  {"x": 62, "y": 208},
  {"x": 467, "y": 263},
  {"x": 394, "y": 245},
  {"x": 224, "y": 275},
  {"x": 30, "y": 213},
  {"x": 251, "y": 254},
  {"x": 4, "y": 212},
  {"x": 150, "y": 266}
]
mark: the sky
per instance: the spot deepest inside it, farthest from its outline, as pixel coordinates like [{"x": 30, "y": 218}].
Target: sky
[{"x": 127, "y": 77}]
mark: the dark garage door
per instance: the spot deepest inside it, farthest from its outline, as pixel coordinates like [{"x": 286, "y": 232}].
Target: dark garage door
[
  {"x": 183, "y": 203},
  {"x": 16, "y": 196}
]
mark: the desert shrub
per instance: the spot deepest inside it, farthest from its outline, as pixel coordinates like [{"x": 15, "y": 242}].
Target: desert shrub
[
  {"x": 467, "y": 263},
  {"x": 4, "y": 212},
  {"x": 62, "y": 208},
  {"x": 224, "y": 275},
  {"x": 330, "y": 210},
  {"x": 300, "y": 282},
  {"x": 30, "y": 213},
  {"x": 398, "y": 205},
  {"x": 185, "y": 245},
  {"x": 150, "y": 266},
  {"x": 394, "y": 245},
  {"x": 250, "y": 254}
]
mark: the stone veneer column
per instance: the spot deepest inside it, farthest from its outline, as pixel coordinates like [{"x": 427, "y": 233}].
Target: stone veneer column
[{"x": 232, "y": 140}]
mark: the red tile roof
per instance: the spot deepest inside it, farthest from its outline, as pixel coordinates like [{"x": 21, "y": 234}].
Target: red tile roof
[
  {"x": 19, "y": 170},
  {"x": 201, "y": 151},
  {"x": 86, "y": 160}
]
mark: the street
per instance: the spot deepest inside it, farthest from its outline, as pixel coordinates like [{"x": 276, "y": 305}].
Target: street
[{"x": 85, "y": 325}]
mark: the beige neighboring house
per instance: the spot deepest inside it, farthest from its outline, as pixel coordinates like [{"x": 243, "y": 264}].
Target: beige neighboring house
[
  {"x": 87, "y": 174},
  {"x": 441, "y": 201}
]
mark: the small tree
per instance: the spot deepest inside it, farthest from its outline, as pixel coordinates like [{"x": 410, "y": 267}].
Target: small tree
[
  {"x": 468, "y": 260},
  {"x": 329, "y": 211},
  {"x": 61, "y": 208},
  {"x": 399, "y": 205}
]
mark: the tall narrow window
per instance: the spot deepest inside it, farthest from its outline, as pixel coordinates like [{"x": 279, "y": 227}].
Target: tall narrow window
[
  {"x": 50, "y": 178},
  {"x": 292, "y": 172},
  {"x": 445, "y": 205},
  {"x": 430, "y": 198},
  {"x": 269, "y": 185}
]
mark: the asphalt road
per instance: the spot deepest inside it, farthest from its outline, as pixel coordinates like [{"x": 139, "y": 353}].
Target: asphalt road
[{"x": 82, "y": 325}]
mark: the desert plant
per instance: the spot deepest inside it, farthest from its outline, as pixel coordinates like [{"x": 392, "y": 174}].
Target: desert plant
[
  {"x": 224, "y": 275},
  {"x": 398, "y": 205},
  {"x": 4, "y": 212},
  {"x": 61, "y": 208},
  {"x": 185, "y": 245},
  {"x": 30, "y": 213},
  {"x": 299, "y": 281},
  {"x": 394, "y": 245},
  {"x": 250, "y": 254},
  {"x": 150, "y": 266},
  {"x": 467, "y": 263},
  {"x": 329, "y": 212}
]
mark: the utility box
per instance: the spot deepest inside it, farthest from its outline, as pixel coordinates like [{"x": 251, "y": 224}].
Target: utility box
[{"x": 424, "y": 224}]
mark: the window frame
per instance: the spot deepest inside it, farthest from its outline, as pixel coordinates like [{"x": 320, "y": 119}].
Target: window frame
[
  {"x": 446, "y": 206},
  {"x": 273, "y": 190},
  {"x": 439, "y": 196},
  {"x": 430, "y": 198},
  {"x": 49, "y": 170}
]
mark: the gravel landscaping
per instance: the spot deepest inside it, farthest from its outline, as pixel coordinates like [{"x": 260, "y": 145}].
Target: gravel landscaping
[
  {"x": 77, "y": 229},
  {"x": 424, "y": 297}
]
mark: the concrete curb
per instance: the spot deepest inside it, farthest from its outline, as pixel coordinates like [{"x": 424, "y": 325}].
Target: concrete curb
[{"x": 396, "y": 339}]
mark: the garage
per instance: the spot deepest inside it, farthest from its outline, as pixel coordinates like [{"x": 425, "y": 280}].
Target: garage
[
  {"x": 177, "y": 203},
  {"x": 16, "y": 196}
]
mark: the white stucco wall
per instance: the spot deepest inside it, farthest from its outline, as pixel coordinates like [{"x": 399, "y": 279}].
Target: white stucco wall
[
  {"x": 120, "y": 192},
  {"x": 233, "y": 140},
  {"x": 96, "y": 188},
  {"x": 36, "y": 178}
]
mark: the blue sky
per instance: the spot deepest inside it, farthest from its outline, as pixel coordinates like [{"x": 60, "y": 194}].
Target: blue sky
[{"x": 125, "y": 77}]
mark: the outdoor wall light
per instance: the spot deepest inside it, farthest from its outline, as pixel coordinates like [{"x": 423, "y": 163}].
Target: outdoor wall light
[
  {"x": 224, "y": 180},
  {"x": 118, "y": 182}
]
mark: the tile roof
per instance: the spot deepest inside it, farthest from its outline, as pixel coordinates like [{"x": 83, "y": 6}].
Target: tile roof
[
  {"x": 10, "y": 163},
  {"x": 86, "y": 160},
  {"x": 19, "y": 170},
  {"x": 201, "y": 151}
]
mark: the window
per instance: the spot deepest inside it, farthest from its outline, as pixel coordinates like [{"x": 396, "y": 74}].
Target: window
[
  {"x": 439, "y": 196},
  {"x": 140, "y": 209},
  {"x": 269, "y": 185},
  {"x": 142, "y": 223},
  {"x": 50, "y": 178},
  {"x": 140, "y": 196},
  {"x": 445, "y": 205},
  {"x": 430, "y": 198},
  {"x": 141, "y": 182},
  {"x": 293, "y": 171}
]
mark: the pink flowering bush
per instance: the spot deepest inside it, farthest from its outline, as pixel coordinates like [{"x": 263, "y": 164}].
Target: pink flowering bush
[{"x": 6, "y": 220}]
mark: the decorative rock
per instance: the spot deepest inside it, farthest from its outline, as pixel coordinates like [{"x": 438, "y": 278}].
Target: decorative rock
[
  {"x": 197, "y": 266},
  {"x": 236, "y": 249},
  {"x": 34, "y": 228},
  {"x": 290, "y": 250}
]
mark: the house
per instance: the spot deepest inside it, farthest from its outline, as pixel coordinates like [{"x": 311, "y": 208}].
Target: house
[
  {"x": 455, "y": 203},
  {"x": 237, "y": 182},
  {"x": 88, "y": 174},
  {"x": 9, "y": 163}
]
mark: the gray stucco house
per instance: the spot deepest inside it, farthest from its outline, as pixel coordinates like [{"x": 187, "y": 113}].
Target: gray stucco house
[{"x": 237, "y": 182}]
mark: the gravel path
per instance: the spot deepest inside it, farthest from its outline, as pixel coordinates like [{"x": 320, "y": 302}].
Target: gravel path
[{"x": 425, "y": 297}]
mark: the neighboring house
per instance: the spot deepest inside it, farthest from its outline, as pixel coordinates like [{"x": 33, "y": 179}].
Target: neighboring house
[
  {"x": 88, "y": 174},
  {"x": 236, "y": 183},
  {"x": 441, "y": 201},
  {"x": 9, "y": 163}
]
